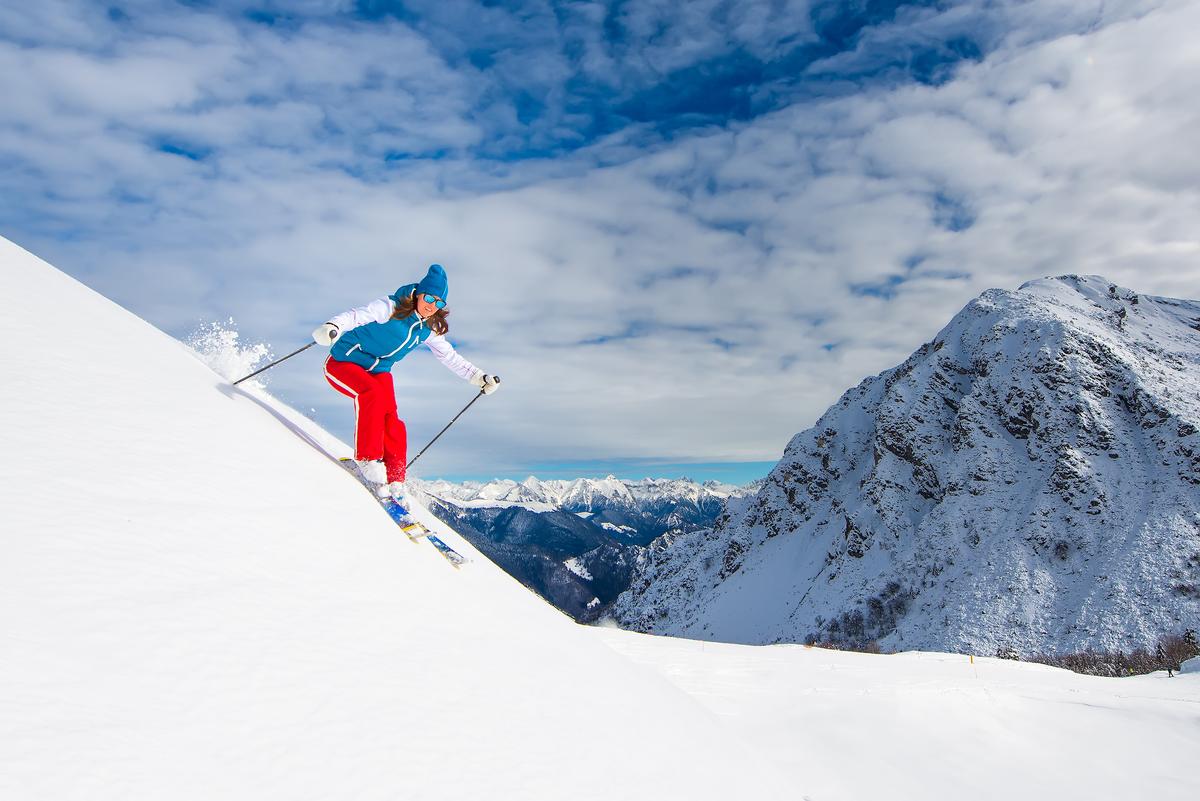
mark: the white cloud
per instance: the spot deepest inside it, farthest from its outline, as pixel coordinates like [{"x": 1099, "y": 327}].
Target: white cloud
[{"x": 708, "y": 273}]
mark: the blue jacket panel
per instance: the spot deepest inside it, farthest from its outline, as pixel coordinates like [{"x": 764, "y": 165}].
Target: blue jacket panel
[{"x": 377, "y": 346}]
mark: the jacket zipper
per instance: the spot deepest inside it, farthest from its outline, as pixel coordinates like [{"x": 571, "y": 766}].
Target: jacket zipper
[{"x": 378, "y": 359}]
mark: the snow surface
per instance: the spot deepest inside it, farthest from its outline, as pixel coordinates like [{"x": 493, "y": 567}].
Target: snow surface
[
  {"x": 576, "y": 566},
  {"x": 206, "y": 606},
  {"x": 939, "y": 727}
]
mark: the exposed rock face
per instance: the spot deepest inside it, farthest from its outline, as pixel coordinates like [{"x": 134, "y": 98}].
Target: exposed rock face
[{"x": 1028, "y": 481}]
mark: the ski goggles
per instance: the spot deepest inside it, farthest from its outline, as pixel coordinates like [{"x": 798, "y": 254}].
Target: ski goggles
[{"x": 435, "y": 300}]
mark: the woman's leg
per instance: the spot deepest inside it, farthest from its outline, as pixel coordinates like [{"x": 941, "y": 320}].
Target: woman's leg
[
  {"x": 395, "y": 446},
  {"x": 373, "y": 400},
  {"x": 395, "y": 436}
]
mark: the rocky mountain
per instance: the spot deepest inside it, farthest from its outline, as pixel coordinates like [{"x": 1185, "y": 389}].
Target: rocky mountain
[
  {"x": 574, "y": 542},
  {"x": 1029, "y": 481}
]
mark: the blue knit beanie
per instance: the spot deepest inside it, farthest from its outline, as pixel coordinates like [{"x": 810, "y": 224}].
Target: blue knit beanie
[{"x": 435, "y": 282}]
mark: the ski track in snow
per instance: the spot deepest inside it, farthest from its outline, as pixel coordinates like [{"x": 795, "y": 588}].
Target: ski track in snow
[{"x": 197, "y": 602}]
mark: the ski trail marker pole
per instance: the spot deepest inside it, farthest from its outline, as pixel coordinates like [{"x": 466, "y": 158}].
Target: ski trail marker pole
[
  {"x": 444, "y": 430},
  {"x": 272, "y": 364}
]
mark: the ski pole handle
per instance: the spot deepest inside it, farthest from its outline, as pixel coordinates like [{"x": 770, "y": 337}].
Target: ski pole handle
[{"x": 272, "y": 364}]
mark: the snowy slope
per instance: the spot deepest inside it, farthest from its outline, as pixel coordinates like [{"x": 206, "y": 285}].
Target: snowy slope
[
  {"x": 940, "y": 727},
  {"x": 1030, "y": 480},
  {"x": 195, "y": 602}
]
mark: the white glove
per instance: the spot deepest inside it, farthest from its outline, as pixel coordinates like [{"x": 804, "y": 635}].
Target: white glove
[
  {"x": 488, "y": 383},
  {"x": 325, "y": 334}
]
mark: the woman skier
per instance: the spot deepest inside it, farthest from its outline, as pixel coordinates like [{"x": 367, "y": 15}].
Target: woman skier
[{"x": 364, "y": 344}]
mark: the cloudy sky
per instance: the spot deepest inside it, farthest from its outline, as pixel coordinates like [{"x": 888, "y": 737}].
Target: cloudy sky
[{"x": 677, "y": 230}]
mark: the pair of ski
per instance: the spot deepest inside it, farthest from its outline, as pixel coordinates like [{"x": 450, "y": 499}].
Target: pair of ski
[{"x": 414, "y": 529}]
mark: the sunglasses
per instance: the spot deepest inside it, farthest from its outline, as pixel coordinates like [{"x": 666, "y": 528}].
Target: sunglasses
[{"x": 435, "y": 300}]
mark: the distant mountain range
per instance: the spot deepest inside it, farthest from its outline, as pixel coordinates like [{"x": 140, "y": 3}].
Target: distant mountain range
[
  {"x": 574, "y": 542},
  {"x": 1029, "y": 481}
]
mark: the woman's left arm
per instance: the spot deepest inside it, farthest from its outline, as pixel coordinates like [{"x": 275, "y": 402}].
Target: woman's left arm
[
  {"x": 456, "y": 364},
  {"x": 453, "y": 360}
]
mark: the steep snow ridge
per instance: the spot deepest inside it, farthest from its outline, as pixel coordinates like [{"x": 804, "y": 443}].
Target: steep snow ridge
[
  {"x": 1028, "y": 480},
  {"x": 195, "y": 602}
]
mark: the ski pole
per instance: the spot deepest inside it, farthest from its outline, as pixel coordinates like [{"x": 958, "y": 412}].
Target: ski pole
[
  {"x": 272, "y": 364},
  {"x": 443, "y": 431}
]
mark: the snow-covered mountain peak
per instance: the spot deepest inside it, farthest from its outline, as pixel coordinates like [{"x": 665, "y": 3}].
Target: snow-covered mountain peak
[
  {"x": 1092, "y": 287},
  {"x": 581, "y": 494},
  {"x": 1076, "y": 298},
  {"x": 1026, "y": 480},
  {"x": 587, "y": 490}
]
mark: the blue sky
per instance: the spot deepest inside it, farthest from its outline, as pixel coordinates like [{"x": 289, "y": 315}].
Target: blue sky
[{"x": 678, "y": 230}]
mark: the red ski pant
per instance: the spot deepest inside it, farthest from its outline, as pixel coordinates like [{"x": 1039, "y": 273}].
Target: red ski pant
[{"x": 379, "y": 433}]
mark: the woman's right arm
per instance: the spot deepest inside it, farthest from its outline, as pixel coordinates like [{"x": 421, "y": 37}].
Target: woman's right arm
[{"x": 377, "y": 311}]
